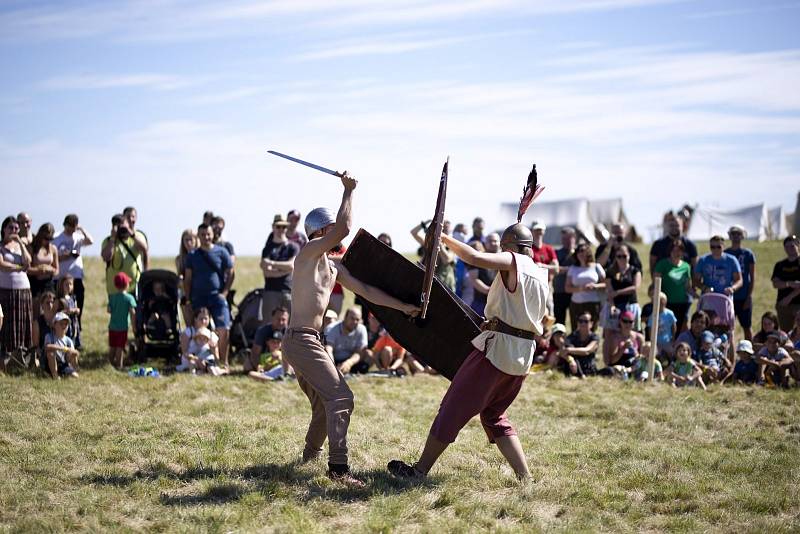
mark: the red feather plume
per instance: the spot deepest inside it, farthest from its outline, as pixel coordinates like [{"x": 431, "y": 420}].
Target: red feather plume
[{"x": 529, "y": 193}]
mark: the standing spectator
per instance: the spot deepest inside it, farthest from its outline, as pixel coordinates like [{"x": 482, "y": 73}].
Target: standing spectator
[
  {"x": 581, "y": 346},
  {"x": 15, "y": 292},
  {"x": 207, "y": 281},
  {"x": 132, "y": 216},
  {"x": 122, "y": 311},
  {"x": 24, "y": 220},
  {"x": 545, "y": 256},
  {"x": 676, "y": 282},
  {"x": 218, "y": 227},
  {"x": 460, "y": 232},
  {"x": 337, "y": 293},
  {"x": 278, "y": 323},
  {"x": 624, "y": 279},
  {"x": 188, "y": 244},
  {"x": 477, "y": 231},
  {"x": 743, "y": 298},
  {"x": 277, "y": 265},
  {"x": 585, "y": 280},
  {"x": 293, "y": 234},
  {"x": 446, "y": 261},
  {"x": 786, "y": 279},
  {"x": 606, "y": 252},
  {"x": 44, "y": 264},
  {"x": 122, "y": 251},
  {"x": 481, "y": 278},
  {"x": 662, "y": 248},
  {"x": 70, "y": 261},
  {"x": 346, "y": 342},
  {"x": 566, "y": 258},
  {"x": 208, "y": 216},
  {"x": 718, "y": 272},
  {"x": 60, "y": 352}
]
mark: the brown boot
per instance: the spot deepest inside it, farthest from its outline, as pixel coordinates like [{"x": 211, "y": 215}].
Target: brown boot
[{"x": 341, "y": 473}]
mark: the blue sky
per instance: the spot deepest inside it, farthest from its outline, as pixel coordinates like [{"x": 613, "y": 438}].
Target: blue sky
[{"x": 170, "y": 106}]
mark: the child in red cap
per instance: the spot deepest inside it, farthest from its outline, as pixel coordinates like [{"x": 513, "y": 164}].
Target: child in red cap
[{"x": 122, "y": 307}]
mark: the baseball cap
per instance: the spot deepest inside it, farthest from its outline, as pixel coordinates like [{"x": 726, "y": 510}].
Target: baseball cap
[
  {"x": 559, "y": 328},
  {"x": 538, "y": 226},
  {"x": 279, "y": 220},
  {"x": 276, "y": 335},
  {"x": 60, "y": 316},
  {"x": 744, "y": 346},
  {"x": 122, "y": 280},
  {"x": 707, "y": 337},
  {"x": 331, "y": 314}
]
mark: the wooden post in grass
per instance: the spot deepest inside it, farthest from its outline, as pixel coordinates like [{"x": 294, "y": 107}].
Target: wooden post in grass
[{"x": 651, "y": 361}]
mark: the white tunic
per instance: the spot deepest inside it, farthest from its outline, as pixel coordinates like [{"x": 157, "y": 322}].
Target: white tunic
[{"x": 524, "y": 309}]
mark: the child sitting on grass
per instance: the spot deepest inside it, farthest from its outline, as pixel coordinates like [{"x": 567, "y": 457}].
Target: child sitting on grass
[
  {"x": 122, "y": 307},
  {"x": 774, "y": 361},
  {"x": 558, "y": 336},
  {"x": 713, "y": 363},
  {"x": 68, "y": 303},
  {"x": 200, "y": 355},
  {"x": 61, "y": 355},
  {"x": 272, "y": 365},
  {"x": 746, "y": 369},
  {"x": 640, "y": 372},
  {"x": 685, "y": 372}
]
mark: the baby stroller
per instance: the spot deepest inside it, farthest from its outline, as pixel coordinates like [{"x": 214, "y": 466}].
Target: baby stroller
[
  {"x": 722, "y": 319},
  {"x": 157, "y": 328},
  {"x": 247, "y": 318}
]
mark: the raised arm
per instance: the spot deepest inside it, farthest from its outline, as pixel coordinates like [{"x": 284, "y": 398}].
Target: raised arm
[
  {"x": 371, "y": 293},
  {"x": 318, "y": 246},
  {"x": 87, "y": 239},
  {"x": 499, "y": 261}
]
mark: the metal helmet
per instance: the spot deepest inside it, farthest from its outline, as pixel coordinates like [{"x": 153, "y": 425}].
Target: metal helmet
[
  {"x": 517, "y": 234},
  {"x": 317, "y": 219}
]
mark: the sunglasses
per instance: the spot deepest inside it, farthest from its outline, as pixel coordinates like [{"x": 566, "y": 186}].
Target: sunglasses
[
  {"x": 715, "y": 247},
  {"x": 621, "y": 256},
  {"x": 627, "y": 321},
  {"x": 584, "y": 320}
]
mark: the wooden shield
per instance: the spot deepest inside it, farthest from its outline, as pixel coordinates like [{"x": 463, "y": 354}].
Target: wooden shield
[{"x": 443, "y": 339}]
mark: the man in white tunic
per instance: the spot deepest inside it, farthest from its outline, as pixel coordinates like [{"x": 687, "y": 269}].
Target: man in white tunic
[{"x": 491, "y": 377}]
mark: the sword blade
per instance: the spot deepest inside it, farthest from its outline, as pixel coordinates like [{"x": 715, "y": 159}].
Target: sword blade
[{"x": 306, "y": 163}]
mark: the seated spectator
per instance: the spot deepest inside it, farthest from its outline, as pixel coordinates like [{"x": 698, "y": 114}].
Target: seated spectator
[
  {"x": 691, "y": 337},
  {"x": 676, "y": 283},
  {"x": 337, "y": 293},
  {"x": 48, "y": 308},
  {"x": 279, "y": 320},
  {"x": 481, "y": 279},
  {"x": 131, "y": 216},
  {"x": 718, "y": 272},
  {"x": 123, "y": 251},
  {"x": 201, "y": 354},
  {"x": 667, "y": 327},
  {"x": 207, "y": 281},
  {"x": 786, "y": 279},
  {"x": 60, "y": 352},
  {"x": 189, "y": 243},
  {"x": 685, "y": 371},
  {"x": 15, "y": 293},
  {"x": 774, "y": 361},
  {"x": 330, "y": 317},
  {"x": 746, "y": 369},
  {"x": 387, "y": 354},
  {"x": 271, "y": 364},
  {"x": 640, "y": 371},
  {"x": 585, "y": 280},
  {"x": 624, "y": 279},
  {"x": 607, "y": 252},
  {"x": 346, "y": 340},
  {"x": 68, "y": 303},
  {"x": 122, "y": 309},
  {"x": 44, "y": 263},
  {"x": 277, "y": 265},
  {"x": 709, "y": 358},
  {"x": 743, "y": 298},
  {"x": 662, "y": 248},
  {"x": 294, "y": 234},
  {"x": 69, "y": 244},
  {"x": 581, "y": 348},
  {"x": 626, "y": 344},
  {"x": 769, "y": 323},
  {"x": 202, "y": 319},
  {"x": 446, "y": 261},
  {"x": 556, "y": 344},
  {"x": 542, "y": 342}
]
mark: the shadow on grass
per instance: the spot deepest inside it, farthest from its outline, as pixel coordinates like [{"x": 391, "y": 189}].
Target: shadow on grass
[{"x": 264, "y": 479}]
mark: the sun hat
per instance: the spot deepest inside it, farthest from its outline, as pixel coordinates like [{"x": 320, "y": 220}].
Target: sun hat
[
  {"x": 707, "y": 337},
  {"x": 279, "y": 220},
  {"x": 60, "y": 316},
  {"x": 331, "y": 314},
  {"x": 559, "y": 328},
  {"x": 745, "y": 346},
  {"x": 204, "y": 332}
]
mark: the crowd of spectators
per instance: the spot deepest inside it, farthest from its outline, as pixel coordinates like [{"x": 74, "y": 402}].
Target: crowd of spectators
[{"x": 595, "y": 293}]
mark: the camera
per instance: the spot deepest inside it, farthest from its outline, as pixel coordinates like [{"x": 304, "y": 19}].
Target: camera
[
  {"x": 74, "y": 253},
  {"x": 123, "y": 232}
]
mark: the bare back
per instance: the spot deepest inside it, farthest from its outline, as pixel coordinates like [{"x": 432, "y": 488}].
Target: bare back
[{"x": 314, "y": 278}]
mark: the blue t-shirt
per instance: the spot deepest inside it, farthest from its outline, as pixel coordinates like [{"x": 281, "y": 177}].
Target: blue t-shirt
[
  {"x": 666, "y": 320},
  {"x": 208, "y": 269},
  {"x": 745, "y": 371},
  {"x": 746, "y": 258},
  {"x": 717, "y": 273}
]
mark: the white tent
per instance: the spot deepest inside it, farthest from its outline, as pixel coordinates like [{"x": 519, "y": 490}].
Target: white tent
[
  {"x": 777, "y": 223},
  {"x": 707, "y": 222},
  {"x": 574, "y": 212}
]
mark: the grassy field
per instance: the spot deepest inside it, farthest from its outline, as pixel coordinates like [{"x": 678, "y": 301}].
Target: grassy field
[{"x": 183, "y": 453}]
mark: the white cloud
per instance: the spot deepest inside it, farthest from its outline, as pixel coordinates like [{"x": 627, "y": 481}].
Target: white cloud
[{"x": 159, "y": 82}]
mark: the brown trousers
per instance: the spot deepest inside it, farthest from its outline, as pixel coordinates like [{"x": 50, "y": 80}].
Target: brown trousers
[{"x": 330, "y": 397}]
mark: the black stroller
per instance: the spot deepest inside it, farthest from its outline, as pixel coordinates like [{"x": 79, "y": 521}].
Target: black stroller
[
  {"x": 157, "y": 326},
  {"x": 246, "y": 320}
]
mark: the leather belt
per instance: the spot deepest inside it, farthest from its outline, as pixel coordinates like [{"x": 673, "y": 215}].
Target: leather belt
[{"x": 496, "y": 325}]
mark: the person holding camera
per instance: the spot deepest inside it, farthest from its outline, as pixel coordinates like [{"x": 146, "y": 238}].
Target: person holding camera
[
  {"x": 70, "y": 262},
  {"x": 607, "y": 252},
  {"x": 123, "y": 252}
]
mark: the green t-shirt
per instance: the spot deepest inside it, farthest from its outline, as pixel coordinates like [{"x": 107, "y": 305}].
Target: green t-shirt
[
  {"x": 119, "y": 306},
  {"x": 641, "y": 366},
  {"x": 683, "y": 368},
  {"x": 674, "y": 279},
  {"x": 124, "y": 259}
]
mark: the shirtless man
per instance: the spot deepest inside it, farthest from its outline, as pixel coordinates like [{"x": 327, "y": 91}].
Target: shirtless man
[{"x": 314, "y": 277}]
